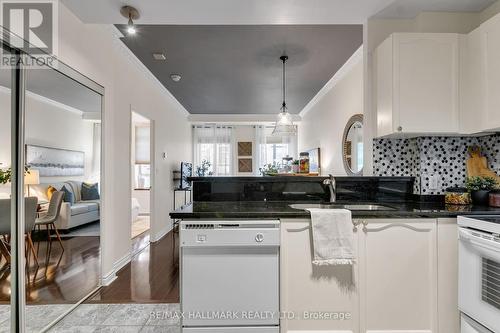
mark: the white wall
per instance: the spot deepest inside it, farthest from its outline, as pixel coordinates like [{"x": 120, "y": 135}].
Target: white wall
[
  {"x": 95, "y": 52},
  {"x": 47, "y": 125},
  {"x": 323, "y": 122}
]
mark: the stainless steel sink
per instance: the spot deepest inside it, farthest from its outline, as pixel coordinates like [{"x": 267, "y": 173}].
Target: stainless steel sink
[{"x": 354, "y": 207}]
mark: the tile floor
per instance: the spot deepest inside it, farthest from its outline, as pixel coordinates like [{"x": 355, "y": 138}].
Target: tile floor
[{"x": 122, "y": 318}]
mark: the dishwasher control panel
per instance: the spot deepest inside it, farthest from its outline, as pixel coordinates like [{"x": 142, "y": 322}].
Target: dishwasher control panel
[{"x": 230, "y": 233}]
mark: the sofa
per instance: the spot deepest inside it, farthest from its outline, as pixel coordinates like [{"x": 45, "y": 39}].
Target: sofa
[{"x": 80, "y": 213}]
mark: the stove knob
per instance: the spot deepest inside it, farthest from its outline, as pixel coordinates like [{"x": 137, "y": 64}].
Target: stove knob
[{"x": 259, "y": 238}]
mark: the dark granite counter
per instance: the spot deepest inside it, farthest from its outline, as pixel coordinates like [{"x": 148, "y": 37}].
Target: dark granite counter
[{"x": 242, "y": 210}]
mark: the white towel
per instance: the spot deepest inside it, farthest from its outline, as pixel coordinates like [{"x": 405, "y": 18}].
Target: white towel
[{"x": 333, "y": 236}]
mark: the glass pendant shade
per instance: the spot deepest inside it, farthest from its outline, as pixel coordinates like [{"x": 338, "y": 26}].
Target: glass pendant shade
[{"x": 284, "y": 124}]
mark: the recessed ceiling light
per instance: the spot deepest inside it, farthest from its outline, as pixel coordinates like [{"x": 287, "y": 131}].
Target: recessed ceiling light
[
  {"x": 175, "y": 77},
  {"x": 159, "y": 56}
]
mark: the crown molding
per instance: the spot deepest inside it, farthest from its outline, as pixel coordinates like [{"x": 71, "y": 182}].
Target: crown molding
[
  {"x": 341, "y": 73},
  {"x": 49, "y": 101},
  {"x": 122, "y": 48},
  {"x": 241, "y": 119}
]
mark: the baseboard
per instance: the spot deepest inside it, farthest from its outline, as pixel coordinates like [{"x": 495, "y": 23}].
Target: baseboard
[
  {"x": 160, "y": 235},
  {"x": 111, "y": 276},
  {"x": 122, "y": 262}
]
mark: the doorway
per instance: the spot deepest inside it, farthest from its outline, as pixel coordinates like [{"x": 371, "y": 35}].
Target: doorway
[{"x": 141, "y": 171}]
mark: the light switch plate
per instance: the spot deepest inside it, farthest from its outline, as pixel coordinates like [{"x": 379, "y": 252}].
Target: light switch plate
[{"x": 434, "y": 182}]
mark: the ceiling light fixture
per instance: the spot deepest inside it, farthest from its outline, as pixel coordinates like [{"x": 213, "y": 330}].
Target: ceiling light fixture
[
  {"x": 131, "y": 14},
  {"x": 175, "y": 77},
  {"x": 284, "y": 124}
]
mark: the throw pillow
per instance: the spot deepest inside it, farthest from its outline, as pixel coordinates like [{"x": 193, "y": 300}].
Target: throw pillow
[
  {"x": 68, "y": 196},
  {"x": 51, "y": 189},
  {"x": 90, "y": 191}
]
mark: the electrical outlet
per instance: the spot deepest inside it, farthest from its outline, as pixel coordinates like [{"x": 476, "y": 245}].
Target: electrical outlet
[{"x": 434, "y": 182}]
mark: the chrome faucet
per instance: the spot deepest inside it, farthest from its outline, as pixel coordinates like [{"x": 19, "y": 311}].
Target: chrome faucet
[{"x": 332, "y": 186}]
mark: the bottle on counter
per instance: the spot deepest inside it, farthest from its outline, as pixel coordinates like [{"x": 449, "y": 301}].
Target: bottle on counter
[{"x": 304, "y": 163}]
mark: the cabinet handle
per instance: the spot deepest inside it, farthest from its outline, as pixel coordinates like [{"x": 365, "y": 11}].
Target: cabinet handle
[
  {"x": 356, "y": 223},
  {"x": 400, "y": 128},
  {"x": 365, "y": 224}
]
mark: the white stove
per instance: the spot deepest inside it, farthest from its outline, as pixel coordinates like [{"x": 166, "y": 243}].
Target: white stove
[{"x": 479, "y": 273}]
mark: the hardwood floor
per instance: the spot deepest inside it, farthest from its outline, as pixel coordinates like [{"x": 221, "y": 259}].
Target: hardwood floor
[
  {"x": 62, "y": 277},
  {"x": 152, "y": 276}
]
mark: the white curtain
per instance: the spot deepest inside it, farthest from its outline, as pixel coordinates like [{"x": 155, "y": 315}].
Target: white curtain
[
  {"x": 214, "y": 144},
  {"x": 261, "y": 134}
]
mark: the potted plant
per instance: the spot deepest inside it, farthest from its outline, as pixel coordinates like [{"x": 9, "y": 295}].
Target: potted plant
[
  {"x": 6, "y": 175},
  {"x": 479, "y": 188},
  {"x": 203, "y": 169},
  {"x": 270, "y": 169}
]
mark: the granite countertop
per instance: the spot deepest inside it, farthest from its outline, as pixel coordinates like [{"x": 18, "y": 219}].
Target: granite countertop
[{"x": 242, "y": 209}]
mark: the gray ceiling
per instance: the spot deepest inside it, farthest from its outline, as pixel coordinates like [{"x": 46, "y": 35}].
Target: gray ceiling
[
  {"x": 57, "y": 87},
  {"x": 236, "y": 69}
]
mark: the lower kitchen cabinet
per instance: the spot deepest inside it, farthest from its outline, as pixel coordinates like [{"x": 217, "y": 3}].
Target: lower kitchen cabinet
[
  {"x": 309, "y": 291},
  {"x": 398, "y": 276},
  {"x": 405, "y": 279}
]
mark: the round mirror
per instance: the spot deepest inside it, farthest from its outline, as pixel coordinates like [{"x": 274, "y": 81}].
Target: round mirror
[{"x": 352, "y": 145}]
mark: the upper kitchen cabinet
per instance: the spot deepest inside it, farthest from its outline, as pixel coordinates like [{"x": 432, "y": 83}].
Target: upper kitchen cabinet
[
  {"x": 417, "y": 90},
  {"x": 472, "y": 106},
  {"x": 490, "y": 33},
  {"x": 480, "y": 79}
]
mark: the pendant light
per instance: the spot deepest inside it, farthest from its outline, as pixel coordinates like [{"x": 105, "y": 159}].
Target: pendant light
[
  {"x": 284, "y": 124},
  {"x": 131, "y": 14}
]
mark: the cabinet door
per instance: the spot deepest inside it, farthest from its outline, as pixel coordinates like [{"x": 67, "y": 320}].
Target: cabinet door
[
  {"x": 384, "y": 87},
  {"x": 491, "y": 51},
  {"x": 472, "y": 109},
  {"x": 426, "y": 68},
  {"x": 398, "y": 276},
  {"x": 314, "y": 290}
]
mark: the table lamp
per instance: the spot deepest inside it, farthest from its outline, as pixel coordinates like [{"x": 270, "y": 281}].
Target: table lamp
[{"x": 31, "y": 177}]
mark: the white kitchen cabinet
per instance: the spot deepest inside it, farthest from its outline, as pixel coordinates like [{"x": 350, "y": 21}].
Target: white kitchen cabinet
[
  {"x": 472, "y": 103},
  {"x": 448, "y": 314},
  {"x": 310, "y": 289},
  {"x": 405, "y": 279},
  {"x": 398, "y": 276},
  {"x": 490, "y": 32},
  {"x": 417, "y": 84}
]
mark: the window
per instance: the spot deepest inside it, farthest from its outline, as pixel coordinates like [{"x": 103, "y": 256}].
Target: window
[
  {"x": 272, "y": 149},
  {"x": 215, "y": 145},
  {"x": 275, "y": 152}
]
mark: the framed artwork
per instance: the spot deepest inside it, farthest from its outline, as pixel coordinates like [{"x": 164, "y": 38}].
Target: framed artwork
[
  {"x": 244, "y": 148},
  {"x": 314, "y": 160},
  {"x": 54, "y": 162},
  {"x": 245, "y": 165}
]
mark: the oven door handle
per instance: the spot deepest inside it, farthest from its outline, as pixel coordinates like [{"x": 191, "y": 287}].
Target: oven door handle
[{"x": 465, "y": 235}]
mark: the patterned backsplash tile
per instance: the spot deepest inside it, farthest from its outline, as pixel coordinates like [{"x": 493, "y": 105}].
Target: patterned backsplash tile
[{"x": 427, "y": 158}]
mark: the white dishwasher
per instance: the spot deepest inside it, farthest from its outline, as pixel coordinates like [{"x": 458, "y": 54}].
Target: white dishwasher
[{"x": 230, "y": 276}]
